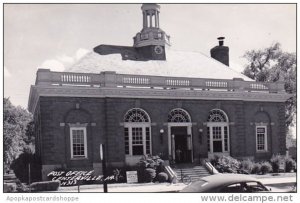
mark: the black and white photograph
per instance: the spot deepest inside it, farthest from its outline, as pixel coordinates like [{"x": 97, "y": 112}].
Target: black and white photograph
[{"x": 150, "y": 98}]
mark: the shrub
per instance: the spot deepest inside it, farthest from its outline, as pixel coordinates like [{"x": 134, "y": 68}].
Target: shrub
[
  {"x": 214, "y": 160},
  {"x": 20, "y": 167},
  {"x": 266, "y": 167},
  {"x": 229, "y": 161},
  {"x": 226, "y": 164},
  {"x": 256, "y": 168},
  {"x": 247, "y": 165},
  {"x": 162, "y": 177},
  {"x": 290, "y": 164},
  {"x": 275, "y": 160},
  {"x": 149, "y": 162},
  {"x": 149, "y": 175},
  {"x": 9, "y": 187},
  {"x": 45, "y": 186}
]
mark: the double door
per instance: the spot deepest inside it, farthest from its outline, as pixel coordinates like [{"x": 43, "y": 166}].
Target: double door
[{"x": 181, "y": 144}]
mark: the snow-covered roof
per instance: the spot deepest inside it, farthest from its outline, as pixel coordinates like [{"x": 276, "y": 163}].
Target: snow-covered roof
[{"x": 178, "y": 64}]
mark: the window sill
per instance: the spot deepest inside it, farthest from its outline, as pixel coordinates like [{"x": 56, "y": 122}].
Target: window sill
[
  {"x": 79, "y": 158},
  {"x": 261, "y": 152},
  {"x": 128, "y": 155}
]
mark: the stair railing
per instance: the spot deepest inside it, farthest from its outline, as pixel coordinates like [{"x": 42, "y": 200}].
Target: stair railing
[{"x": 211, "y": 169}]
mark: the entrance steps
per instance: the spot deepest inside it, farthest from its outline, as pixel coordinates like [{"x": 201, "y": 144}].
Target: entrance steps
[
  {"x": 10, "y": 177},
  {"x": 194, "y": 171}
]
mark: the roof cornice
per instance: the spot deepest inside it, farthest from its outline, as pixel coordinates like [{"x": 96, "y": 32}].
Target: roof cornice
[{"x": 38, "y": 91}]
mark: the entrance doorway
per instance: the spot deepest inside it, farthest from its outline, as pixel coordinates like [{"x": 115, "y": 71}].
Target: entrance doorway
[{"x": 182, "y": 151}]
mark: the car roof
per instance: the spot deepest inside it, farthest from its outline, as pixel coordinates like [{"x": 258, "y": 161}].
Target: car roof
[
  {"x": 208, "y": 183},
  {"x": 228, "y": 178}
]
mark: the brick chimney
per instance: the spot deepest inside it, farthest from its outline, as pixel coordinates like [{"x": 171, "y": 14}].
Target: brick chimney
[{"x": 221, "y": 52}]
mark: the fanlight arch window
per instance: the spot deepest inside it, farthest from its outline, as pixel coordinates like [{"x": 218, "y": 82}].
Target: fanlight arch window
[
  {"x": 217, "y": 115},
  {"x": 218, "y": 132},
  {"x": 179, "y": 116},
  {"x": 136, "y": 115},
  {"x": 137, "y": 132}
]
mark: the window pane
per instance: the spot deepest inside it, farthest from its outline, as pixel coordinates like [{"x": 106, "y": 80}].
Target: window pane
[
  {"x": 260, "y": 137},
  {"x": 208, "y": 139},
  {"x": 260, "y": 141},
  {"x": 140, "y": 138},
  {"x": 126, "y": 137},
  {"x": 136, "y": 115},
  {"x": 137, "y": 136},
  {"x": 137, "y": 141},
  {"x": 217, "y": 135},
  {"x": 225, "y": 139},
  {"x": 217, "y": 146},
  {"x": 217, "y": 115},
  {"x": 178, "y": 116},
  {"x": 137, "y": 150},
  {"x": 148, "y": 151},
  {"x": 78, "y": 142}
]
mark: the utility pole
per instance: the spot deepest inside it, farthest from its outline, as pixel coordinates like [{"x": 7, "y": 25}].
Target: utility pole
[
  {"x": 29, "y": 178},
  {"x": 103, "y": 159}
]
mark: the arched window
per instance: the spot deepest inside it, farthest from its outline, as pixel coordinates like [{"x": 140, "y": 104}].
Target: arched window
[
  {"x": 179, "y": 116},
  {"x": 217, "y": 115},
  {"x": 217, "y": 132},
  {"x": 137, "y": 132},
  {"x": 136, "y": 115}
]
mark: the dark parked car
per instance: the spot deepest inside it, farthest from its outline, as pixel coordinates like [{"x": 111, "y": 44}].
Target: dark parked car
[{"x": 226, "y": 183}]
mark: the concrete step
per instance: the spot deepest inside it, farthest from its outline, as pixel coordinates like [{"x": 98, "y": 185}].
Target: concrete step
[{"x": 194, "y": 172}]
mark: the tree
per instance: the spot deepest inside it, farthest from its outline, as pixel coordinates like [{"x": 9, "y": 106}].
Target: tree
[
  {"x": 271, "y": 65},
  {"x": 17, "y": 131}
]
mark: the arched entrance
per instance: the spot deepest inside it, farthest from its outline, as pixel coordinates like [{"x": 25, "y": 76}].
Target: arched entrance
[{"x": 180, "y": 136}]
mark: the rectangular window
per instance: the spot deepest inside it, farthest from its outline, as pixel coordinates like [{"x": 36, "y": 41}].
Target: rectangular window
[
  {"x": 126, "y": 137},
  {"x": 225, "y": 139},
  {"x": 217, "y": 146},
  {"x": 217, "y": 133},
  {"x": 148, "y": 144},
  {"x": 78, "y": 142},
  {"x": 261, "y": 138},
  {"x": 208, "y": 139},
  {"x": 217, "y": 139},
  {"x": 137, "y": 141}
]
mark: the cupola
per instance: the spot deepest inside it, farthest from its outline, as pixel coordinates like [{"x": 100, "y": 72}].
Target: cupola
[{"x": 151, "y": 34}]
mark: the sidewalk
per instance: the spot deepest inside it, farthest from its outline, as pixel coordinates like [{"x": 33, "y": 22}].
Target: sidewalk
[
  {"x": 268, "y": 180},
  {"x": 124, "y": 187}
]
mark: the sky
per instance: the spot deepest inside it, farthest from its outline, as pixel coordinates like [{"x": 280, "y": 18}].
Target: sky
[{"x": 57, "y": 35}]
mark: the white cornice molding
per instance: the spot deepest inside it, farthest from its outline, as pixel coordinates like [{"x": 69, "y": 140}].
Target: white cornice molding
[{"x": 103, "y": 92}]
